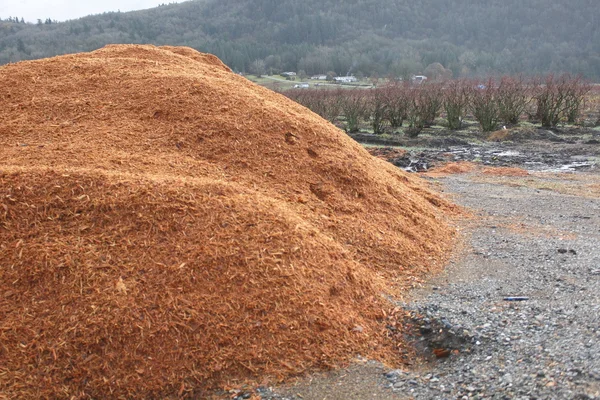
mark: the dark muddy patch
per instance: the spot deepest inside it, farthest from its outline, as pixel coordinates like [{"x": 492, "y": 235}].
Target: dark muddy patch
[
  {"x": 436, "y": 339},
  {"x": 534, "y": 150}
]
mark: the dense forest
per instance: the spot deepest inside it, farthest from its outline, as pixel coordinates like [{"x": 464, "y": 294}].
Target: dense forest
[{"x": 365, "y": 37}]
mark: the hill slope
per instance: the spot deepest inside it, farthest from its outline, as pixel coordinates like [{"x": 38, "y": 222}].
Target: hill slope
[{"x": 364, "y": 36}]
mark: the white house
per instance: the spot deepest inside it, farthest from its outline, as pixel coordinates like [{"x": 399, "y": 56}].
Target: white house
[
  {"x": 345, "y": 79},
  {"x": 319, "y": 77},
  {"x": 302, "y": 85}
]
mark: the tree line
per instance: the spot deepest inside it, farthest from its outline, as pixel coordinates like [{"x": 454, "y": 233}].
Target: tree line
[{"x": 468, "y": 38}]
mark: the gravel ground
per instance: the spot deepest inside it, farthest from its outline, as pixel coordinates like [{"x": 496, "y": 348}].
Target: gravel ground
[{"x": 537, "y": 244}]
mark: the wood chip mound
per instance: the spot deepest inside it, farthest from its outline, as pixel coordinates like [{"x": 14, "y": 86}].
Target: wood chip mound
[
  {"x": 460, "y": 167},
  {"x": 167, "y": 228},
  {"x": 505, "y": 171}
]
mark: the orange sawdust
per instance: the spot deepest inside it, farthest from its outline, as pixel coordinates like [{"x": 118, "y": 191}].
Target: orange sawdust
[
  {"x": 167, "y": 227},
  {"x": 505, "y": 171},
  {"x": 460, "y": 167}
]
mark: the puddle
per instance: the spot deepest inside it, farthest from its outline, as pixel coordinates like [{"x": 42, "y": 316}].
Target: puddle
[
  {"x": 572, "y": 167},
  {"x": 510, "y": 153},
  {"x": 537, "y": 159}
]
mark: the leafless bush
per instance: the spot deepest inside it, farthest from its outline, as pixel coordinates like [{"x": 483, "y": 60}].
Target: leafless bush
[
  {"x": 376, "y": 109},
  {"x": 485, "y": 106},
  {"x": 352, "y": 104},
  {"x": 559, "y": 99},
  {"x": 398, "y": 99},
  {"x": 415, "y": 116},
  {"x": 549, "y": 97},
  {"x": 456, "y": 99},
  {"x": 576, "y": 91},
  {"x": 512, "y": 97},
  {"x": 548, "y": 100},
  {"x": 325, "y": 102},
  {"x": 430, "y": 101}
]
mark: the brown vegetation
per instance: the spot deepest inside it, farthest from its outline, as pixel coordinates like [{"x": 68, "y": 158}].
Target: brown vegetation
[{"x": 548, "y": 100}]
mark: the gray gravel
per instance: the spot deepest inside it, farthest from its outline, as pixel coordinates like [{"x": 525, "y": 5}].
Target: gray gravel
[
  {"x": 546, "y": 347},
  {"x": 538, "y": 244}
]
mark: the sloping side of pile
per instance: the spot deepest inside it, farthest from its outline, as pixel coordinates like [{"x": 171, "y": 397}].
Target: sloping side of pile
[{"x": 168, "y": 227}]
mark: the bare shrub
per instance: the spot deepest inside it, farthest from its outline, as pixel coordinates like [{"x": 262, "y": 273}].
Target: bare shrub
[
  {"x": 376, "y": 109},
  {"x": 415, "y": 115},
  {"x": 512, "y": 97},
  {"x": 559, "y": 99},
  {"x": 352, "y": 104},
  {"x": 430, "y": 102},
  {"x": 398, "y": 98},
  {"x": 456, "y": 99},
  {"x": 485, "y": 107},
  {"x": 576, "y": 91},
  {"x": 325, "y": 102},
  {"x": 549, "y": 101}
]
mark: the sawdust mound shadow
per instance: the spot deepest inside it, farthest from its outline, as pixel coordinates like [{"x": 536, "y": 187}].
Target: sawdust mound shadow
[{"x": 167, "y": 227}]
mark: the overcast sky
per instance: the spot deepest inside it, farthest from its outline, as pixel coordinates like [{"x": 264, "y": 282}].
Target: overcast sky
[{"x": 62, "y": 10}]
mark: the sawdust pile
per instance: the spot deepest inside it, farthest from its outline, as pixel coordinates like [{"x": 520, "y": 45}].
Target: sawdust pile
[
  {"x": 460, "y": 167},
  {"x": 505, "y": 171},
  {"x": 168, "y": 227}
]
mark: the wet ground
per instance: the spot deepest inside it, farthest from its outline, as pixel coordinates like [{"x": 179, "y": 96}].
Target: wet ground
[{"x": 559, "y": 150}]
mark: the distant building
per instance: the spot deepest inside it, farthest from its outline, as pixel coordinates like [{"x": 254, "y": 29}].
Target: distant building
[
  {"x": 319, "y": 77},
  {"x": 345, "y": 79},
  {"x": 419, "y": 78},
  {"x": 288, "y": 74},
  {"x": 302, "y": 85}
]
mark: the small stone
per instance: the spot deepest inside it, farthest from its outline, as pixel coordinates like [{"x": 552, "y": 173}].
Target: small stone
[
  {"x": 413, "y": 382},
  {"x": 426, "y": 330},
  {"x": 394, "y": 374}
]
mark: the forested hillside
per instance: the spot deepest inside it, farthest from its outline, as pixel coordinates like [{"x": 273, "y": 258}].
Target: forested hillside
[{"x": 368, "y": 37}]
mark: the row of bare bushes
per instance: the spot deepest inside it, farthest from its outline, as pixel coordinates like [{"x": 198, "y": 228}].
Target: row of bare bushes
[{"x": 546, "y": 100}]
